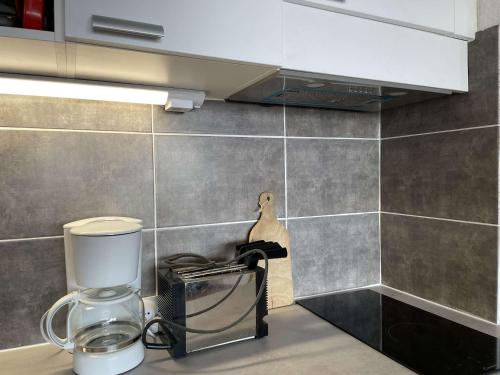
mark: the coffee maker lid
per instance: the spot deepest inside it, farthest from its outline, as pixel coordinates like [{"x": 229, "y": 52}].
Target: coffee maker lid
[{"x": 106, "y": 228}]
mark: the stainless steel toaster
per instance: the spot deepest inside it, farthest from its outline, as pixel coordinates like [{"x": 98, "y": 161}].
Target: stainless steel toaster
[{"x": 206, "y": 300}]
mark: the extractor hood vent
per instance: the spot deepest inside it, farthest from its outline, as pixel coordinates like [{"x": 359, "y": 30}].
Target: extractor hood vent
[{"x": 305, "y": 90}]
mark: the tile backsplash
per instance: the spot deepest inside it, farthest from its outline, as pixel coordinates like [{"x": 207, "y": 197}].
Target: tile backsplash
[
  {"x": 334, "y": 253},
  {"x": 443, "y": 261},
  {"x": 328, "y": 176},
  {"x": 51, "y": 178},
  {"x": 193, "y": 178},
  {"x": 439, "y": 198},
  {"x": 202, "y": 180},
  {"x": 445, "y": 175}
]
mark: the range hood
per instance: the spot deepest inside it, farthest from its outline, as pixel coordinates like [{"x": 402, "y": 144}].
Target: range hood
[{"x": 302, "y": 89}]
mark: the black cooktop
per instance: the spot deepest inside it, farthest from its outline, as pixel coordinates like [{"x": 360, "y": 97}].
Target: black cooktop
[{"x": 419, "y": 340}]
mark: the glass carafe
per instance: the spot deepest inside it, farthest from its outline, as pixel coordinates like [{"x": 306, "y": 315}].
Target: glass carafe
[{"x": 100, "y": 320}]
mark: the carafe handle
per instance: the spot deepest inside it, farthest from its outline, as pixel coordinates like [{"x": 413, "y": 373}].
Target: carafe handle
[{"x": 46, "y": 322}]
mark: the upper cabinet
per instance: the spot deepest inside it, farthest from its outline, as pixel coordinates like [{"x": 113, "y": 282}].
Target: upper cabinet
[
  {"x": 224, "y": 46},
  {"x": 236, "y": 30},
  {"x": 456, "y": 18},
  {"x": 336, "y": 44}
]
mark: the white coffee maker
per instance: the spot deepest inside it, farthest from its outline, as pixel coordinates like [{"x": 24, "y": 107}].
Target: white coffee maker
[{"x": 105, "y": 311}]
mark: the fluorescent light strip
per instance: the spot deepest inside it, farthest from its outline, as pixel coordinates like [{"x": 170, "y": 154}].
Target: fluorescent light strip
[{"x": 78, "y": 89}]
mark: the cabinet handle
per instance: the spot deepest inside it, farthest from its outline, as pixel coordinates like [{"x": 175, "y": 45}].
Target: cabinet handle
[{"x": 120, "y": 26}]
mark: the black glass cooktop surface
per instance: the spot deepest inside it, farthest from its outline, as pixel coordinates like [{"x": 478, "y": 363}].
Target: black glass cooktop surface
[{"x": 419, "y": 340}]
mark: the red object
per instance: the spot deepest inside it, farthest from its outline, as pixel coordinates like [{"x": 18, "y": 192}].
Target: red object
[{"x": 33, "y": 14}]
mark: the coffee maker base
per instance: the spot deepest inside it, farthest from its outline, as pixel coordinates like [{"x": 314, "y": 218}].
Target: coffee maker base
[{"x": 108, "y": 363}]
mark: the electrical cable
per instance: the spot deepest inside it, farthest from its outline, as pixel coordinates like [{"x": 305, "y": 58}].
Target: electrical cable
[{"x": 173, "y": 262}]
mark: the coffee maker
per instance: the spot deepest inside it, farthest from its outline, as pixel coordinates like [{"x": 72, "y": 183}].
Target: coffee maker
[{"x": 105, "y": 311}]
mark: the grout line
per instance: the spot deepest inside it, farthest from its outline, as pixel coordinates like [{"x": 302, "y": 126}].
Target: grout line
[
  {"x": 286, "y": 170},
  {"x": 498, "y": 232},
  {"x": 6, "y": 128},
  {"x": 73, "y": 130},
  {"x": 336, "y": 291},
  {"x": 441, "y": 219},
  {"x": 380, "y": 217},
  {"x": 154, "y": 200},
  {"x": 161, "y": 229},
  {"x": 220, "y": 135},
  {"x": 441, "y": 131},
  {"x": 333, "y": 215},
  {"x": 31, "y": 239},
  {"x": 336, "y": 138},
  {"x": 380, "y": 195},
  {"x": 262, "y": 136}
]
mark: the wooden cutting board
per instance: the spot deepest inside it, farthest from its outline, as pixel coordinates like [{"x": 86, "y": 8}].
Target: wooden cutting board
[{"x": 268, "y": 228}]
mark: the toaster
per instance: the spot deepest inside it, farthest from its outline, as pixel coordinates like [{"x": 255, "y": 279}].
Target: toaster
[{"x": 209, "y": 299}]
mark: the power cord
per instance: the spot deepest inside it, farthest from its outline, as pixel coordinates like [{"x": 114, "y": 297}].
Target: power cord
[{"x": 173, "y": 262}]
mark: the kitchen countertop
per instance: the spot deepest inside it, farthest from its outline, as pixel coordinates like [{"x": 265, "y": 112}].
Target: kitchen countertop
[{"x": 298, "y": 343}]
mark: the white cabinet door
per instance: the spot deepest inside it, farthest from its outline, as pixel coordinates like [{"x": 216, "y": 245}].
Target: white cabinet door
[
  {"x": 466, "y": 19},
  {"x": 432, "y": 15},
  {"x": 239, "y": 30},
  {"x": 332, "y": 43}
]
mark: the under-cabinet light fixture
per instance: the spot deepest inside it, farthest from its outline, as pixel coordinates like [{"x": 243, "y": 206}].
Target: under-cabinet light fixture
[{"x": 177, "y": 100}]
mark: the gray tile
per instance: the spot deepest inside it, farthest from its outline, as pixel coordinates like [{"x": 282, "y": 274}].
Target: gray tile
[
  {"x": 334, "y": 253},
  {"x": 214, "y": 241},
  {"x": 33, "y": 277},
  {"x": 476, "y": 108},
  {"x": 148, "y": 281},
  {"x": 210, "y": 179},
  {"x": 488, "y": 12},
  {"x": 56, "y": 113},
  {"x": 448, "y": 175},
  {"x": 454, "y": 264},
  {"x": 331, "y": 176},
  {"x": 312, "y": 122},
  {"x": 50, "y": 178},
  {"x": 217, "y": 117}
]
